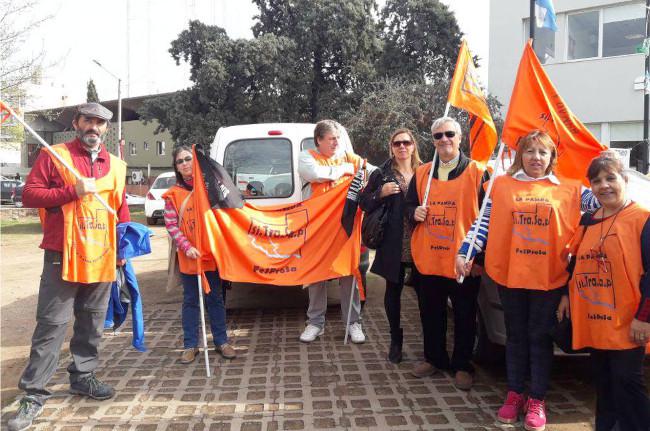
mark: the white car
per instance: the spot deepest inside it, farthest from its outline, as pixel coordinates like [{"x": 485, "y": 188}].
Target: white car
[
  {"x": 154, "y": 204},
  {"x": 134, "y": 199}
]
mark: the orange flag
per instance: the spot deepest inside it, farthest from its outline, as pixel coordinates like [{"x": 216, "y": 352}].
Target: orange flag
[
  {"x": 536, "y": 104},
  {"x": 4, "y": 112},
  {"x": 286, "y": 244},
  {"x": 466, "y": 93}
]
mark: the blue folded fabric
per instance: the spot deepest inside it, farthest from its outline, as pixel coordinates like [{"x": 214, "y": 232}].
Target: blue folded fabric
[{"x": 133, "y": 240}]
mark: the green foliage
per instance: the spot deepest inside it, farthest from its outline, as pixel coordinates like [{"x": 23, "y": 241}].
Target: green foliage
[
  {"x": 91, "y": 92},
  {"x": 394, "y": 103},
  {"x": 314, "y": 59}
]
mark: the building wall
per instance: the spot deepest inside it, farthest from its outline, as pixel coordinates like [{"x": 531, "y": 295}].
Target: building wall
[{"x": 600, "y": 91}]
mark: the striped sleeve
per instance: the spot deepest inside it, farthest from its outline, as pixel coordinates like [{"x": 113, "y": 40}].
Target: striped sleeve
[
  {"x": 171, "y": 223},
  {"x": 588, "y": 201},
  {"x": 481, "y": 235}
]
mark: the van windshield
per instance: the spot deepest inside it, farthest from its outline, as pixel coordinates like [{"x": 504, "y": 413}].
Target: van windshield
[{"x": 261, "y": 168}]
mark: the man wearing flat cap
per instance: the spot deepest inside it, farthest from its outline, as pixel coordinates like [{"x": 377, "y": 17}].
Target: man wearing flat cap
[{"x": 79, "y": 243}]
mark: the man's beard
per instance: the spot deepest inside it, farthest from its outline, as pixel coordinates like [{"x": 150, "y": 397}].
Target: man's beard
[{"x": 88, "y": 140}]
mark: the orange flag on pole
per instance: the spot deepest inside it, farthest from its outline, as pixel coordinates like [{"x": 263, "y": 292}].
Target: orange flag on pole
[
  {"x": 4, "y": 112},
  {"x": 535, "y": 104},
  {"x": 465, "y": 93}
]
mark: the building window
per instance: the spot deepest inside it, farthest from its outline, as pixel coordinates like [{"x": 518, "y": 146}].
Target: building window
[
  {"x": 583, "y": 35},
  {"x": 544, "y": 42},
  {"x": 623, "y": 29},
  {"x": 132, "y": 149},
  {"x": 146, "y": 146},
  {"x": 160, "y": 147}
]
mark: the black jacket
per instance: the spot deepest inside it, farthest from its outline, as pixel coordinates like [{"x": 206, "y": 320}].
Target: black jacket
[{"x": 388, "y": 255}]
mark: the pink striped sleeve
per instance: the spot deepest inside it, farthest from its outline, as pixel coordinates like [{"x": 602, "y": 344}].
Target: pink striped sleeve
[{"x": 171, "y": 223}]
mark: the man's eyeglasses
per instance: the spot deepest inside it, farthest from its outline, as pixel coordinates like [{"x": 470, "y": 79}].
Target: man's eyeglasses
[
  {"x": 396, "y": 144},
  {"x": 449, "y": 133},
  {"x": 181, "y": 161}
]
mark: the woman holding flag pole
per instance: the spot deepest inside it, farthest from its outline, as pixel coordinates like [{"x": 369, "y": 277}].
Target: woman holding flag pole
[
  {"x": 180, "y": 221},
  {"x": 533, "y": 215}
]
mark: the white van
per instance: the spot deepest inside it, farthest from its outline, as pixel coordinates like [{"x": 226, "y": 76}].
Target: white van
[{"x": 262, "y": 159}]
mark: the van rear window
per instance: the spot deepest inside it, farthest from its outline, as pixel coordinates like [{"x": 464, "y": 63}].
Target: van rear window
[{"x": 261, "y": 168}]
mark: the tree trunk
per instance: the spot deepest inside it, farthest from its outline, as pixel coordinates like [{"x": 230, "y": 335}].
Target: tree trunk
[{"x": 316, "y": 85}]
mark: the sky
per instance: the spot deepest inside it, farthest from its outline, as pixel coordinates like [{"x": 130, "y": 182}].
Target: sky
[{"x": 131, "y": 39}]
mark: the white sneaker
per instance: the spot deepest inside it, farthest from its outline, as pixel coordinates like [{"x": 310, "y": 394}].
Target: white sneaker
[
  {"x": 356, "y": 333},
  {"x": 310, "y": 333}
]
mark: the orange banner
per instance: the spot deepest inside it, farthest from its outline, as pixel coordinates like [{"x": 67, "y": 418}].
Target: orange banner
[
  {"x": 536, "y": 104},
  {"x": 466, "y": 93},
  {"x": 289, "y": 244}
]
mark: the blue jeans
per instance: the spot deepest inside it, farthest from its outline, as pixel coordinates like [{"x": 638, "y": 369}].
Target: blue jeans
[{"x": 214, "y": 303}]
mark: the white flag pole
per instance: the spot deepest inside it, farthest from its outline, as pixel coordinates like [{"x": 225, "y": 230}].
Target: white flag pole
[
  {"x": 58, "y": 157},
  {"x": 433, "y": 164},
  {"x": 347, "y": 322},
  {"x": 483, "y": 206},
  {"x": 205, "y": 337}
]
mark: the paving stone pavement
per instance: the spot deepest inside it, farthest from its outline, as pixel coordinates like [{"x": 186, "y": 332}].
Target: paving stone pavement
[{"x": 279, "y": 383}]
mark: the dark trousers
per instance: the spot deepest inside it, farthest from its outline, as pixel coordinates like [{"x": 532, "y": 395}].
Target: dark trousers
[
  {"x": 621, "y": 395},
  {"x": 529, "y": 317},
  {"x": 57, "y": 301},
  {"x": 393, "y": 301},
  {"x": 433, "y": 292},
  {"x": 191, "y": 311}
]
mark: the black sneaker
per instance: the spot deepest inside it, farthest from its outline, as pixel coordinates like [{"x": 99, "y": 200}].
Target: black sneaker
[
  {"x": 92, "y": 387},
  {"x": 28, "y": 411}
]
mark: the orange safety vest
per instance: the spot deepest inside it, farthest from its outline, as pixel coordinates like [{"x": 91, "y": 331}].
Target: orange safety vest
[
  {"x": 452, "y": 207},
  {"x": 177, "y": 196},
  {"x": 320, "y": 188},
  {"x": 89, "y": 245},
  {"x": 604, "y": 290},
  {"x": 530, "y": 226}
]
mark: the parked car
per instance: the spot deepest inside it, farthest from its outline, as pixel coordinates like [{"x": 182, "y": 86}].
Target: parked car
[
  {"x": 262, "y": 160},
  {"x": 7, "y": 187},
  {"x": 17, "y": 196},
  {"x": 134, "y": 199},
  {"x": 154, "y": 204}
]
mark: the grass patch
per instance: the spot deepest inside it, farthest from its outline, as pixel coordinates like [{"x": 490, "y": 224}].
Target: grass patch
[{"x": 12, "y": 227}]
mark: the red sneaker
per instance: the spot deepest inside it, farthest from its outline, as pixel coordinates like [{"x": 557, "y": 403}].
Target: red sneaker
[
  {"x": 511, "y": 408},
  {"x": 535, "y": 415}
]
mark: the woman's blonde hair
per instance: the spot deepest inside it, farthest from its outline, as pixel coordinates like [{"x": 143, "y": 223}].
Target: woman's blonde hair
[
  {"x": 534, "y": 137},
  {"x": 415, "y": 157}
]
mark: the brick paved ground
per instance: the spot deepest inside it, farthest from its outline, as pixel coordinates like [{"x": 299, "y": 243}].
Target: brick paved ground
[{"x": 278, "y": 383}]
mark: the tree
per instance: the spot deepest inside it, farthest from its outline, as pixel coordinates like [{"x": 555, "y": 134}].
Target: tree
[
  {"x": 394, "y": 103},
  {"x": 91, "y": 92},
  {"x": 421, "y": 39},
  {"x": 336, "y": 45}
]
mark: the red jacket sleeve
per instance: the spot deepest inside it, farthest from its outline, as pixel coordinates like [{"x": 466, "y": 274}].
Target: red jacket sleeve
[
  {"x": 45, "y": 187},
  {"x": 123, "y": 213}
]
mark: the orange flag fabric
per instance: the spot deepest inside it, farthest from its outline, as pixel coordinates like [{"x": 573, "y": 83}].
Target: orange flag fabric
[
  {"x": 286, "y": 244},
  {"x": 4, "y": 112},
  {"x": 536, "y": 104},
  {"x": 465, "y": 93}
]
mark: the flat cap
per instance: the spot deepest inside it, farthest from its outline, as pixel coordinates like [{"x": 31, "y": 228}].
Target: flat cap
[{"x": 94, "y": 110}]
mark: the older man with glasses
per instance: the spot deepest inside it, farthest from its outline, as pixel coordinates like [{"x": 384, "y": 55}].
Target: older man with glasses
[{"x": 453, "y": 202}]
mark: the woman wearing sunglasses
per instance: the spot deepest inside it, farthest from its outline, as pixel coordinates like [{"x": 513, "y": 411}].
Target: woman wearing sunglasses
[
  {"x": 453, "y": 202},
  {"x": 610, "y": 297},
  {"x": 387, "y": 186},
  {"x": 180, "y": 221},
  {"x": 531, "y": 217}
]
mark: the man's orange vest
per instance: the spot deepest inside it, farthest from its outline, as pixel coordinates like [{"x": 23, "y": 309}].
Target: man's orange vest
[
  {"x": 604, "y": 290},
  {"x": 177, "y": 195},
  {"x": 89, "y": 245},
  {"x": 452, "y": 207},
  {"x": 531, "y": 225},
  {"x": 320, "y": 188}
]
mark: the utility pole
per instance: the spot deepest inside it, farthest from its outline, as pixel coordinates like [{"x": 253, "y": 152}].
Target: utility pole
[
  {"x": 531, "y": 22},
  {"x": 645, "y": 148},
  {"x": 119, "y": 105}
]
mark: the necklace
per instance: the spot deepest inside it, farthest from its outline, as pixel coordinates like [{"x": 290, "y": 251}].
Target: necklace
[{"x": 601, "y": 242}]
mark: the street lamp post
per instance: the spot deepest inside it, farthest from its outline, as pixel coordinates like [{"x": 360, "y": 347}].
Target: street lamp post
[{"x": 119, "y": 104}]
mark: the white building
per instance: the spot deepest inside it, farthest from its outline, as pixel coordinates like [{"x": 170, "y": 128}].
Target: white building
[{"x": 592, "y": 60}]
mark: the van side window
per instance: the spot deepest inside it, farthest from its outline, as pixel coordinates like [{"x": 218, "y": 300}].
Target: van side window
[
  {"x": 261, "y": 168},
  {"x": 307, "y": 144}
]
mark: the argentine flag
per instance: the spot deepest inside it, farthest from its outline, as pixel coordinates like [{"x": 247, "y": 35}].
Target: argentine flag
[{"x": 545, "y": 14}]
